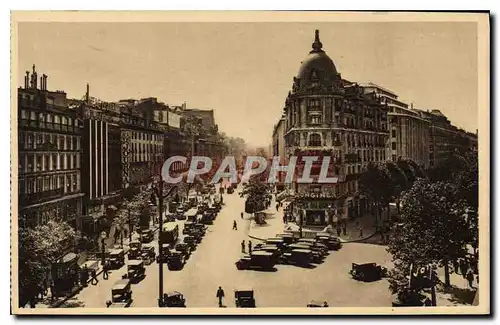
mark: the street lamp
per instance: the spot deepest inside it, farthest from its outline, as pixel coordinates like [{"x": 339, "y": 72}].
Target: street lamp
[{"x": 103, "y": 245}]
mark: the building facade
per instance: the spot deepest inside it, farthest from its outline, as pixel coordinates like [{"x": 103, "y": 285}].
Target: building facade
[
  {"x": 409, "y": 133},
  {"x": 326, "y": 115},
  {"x": 50, "y": 150}
]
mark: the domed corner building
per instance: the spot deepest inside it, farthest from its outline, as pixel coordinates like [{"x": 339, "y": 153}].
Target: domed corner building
[{"x": 326, "y": 115}]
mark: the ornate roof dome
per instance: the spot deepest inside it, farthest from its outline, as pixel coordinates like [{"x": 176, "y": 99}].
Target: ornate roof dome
[{"x": 317, "y": 66}]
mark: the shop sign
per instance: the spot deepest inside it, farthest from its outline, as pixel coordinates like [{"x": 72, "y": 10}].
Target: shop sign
[{"x": 312, "y": 195}]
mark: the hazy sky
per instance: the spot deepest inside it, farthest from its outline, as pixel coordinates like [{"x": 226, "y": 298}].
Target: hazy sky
[{"x": 244, "y": 70}]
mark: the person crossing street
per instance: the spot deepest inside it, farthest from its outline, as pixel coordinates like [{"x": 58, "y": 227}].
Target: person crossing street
[
  {"x": 235, "y": 226},
  {"x": 243, "y": 246},
  {"x": 220, "y": 295}
]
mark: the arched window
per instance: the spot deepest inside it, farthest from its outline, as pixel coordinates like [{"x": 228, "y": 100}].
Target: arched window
[{"x": 314, "y": 140}]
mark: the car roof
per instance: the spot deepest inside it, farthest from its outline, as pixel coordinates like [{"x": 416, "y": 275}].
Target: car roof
[
  {"x": 300, "y": 250},
  {"x": 264, "y": 253},
  {"x": 135, "y": 262},
  {"x": 120, "y": 284}
]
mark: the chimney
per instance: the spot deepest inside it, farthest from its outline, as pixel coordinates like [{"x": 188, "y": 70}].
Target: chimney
[
  {"x": 45, "y": 81},
  {"x": 87, "y": 94},
  {"x": 27, "y": 80},
  {"x": 35, "y": 78},
  {"x": 41, "y": 82}
]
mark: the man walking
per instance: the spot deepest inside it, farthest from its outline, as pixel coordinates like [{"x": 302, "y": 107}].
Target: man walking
[
  {"x": 243, "y": 246},
  {"x": 105, "y": 269},
  {"x": 220, "y": 295},
  {"x": 235, "y": 226},
  {"x": 242, "y": 215},
  {"x": 470, "y": 278},
  {"x": 249, "y": 247}
]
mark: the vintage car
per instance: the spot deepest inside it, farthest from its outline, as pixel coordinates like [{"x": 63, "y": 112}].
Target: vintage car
[
  {"x": 279, "y": 242},
  {"x": 147, "y": 235},
  {"x": 188, "y": 226},
  {"x": 200, "y": 227},
  {"x": 165, "y": 252},
  {"x": 244, "y": 299},
  {"x": 176, "y": 260},
  {"x": 301, "y": 257},
  {"x": 121, "y": 295},
  {"x": 314, "y": 243},
  {"x": 135, "y": 271},
  {"x": 116, "y": 258},
  {"x": 287, "y": 238},
  {"x": 316, "y": 255},
  {"x": 184, "y": 248},
  {"x": 206, "y": 218},
  {"x": 230, "y": 190},
  {"x": 257, "y": 260},
  {"x": 173, "y": 299},
  {"x": 270, "y": 249},
  {"x": 135, "y": 248},
  {"x": 331, "y": 242},
  {"x": 317, "y": 303},
  {"x": 148, "y": 252},
  {"x": 190, "y": 241},
  {"x": 367, "y": 272}
]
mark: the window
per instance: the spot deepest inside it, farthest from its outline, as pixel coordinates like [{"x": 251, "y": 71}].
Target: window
[
  {"x": 393, "y": 133},
  {"x": 394, "y": 146},
  {"x": 30, "y": 186},
  {"x": 314, "y": 119},
  {"x": 47, "y": 162},
  {"x": 314, "y": 140},
  {"x": 68, "y": 183},
  {"x": 61, "y": 143},
  {"x": 38, "y": 163},
  {"x": 314, "y": 105},
  {"x": 68, "y": 143}
]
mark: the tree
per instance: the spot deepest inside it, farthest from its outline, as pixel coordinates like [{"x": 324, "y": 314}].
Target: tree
[
  {"x": 376, "y": 184},
  {"x": 256, "y": 193},
  {"x": 39, "y": 248},
  {"x": 432, "y": 229},
  {"x": 399, "y": 180}
]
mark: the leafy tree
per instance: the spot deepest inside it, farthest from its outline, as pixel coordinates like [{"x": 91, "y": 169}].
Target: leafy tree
[
  {"x": 399, "y": 180},
  {"x": 256, "y": 193},
  {"x": 432, "y": 229},
  {"x": 376, "y": 184},
  {"x": 39, "y": 247}
]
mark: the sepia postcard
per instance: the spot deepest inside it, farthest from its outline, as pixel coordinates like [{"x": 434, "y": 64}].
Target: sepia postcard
[{"x": 285, "y": 163}]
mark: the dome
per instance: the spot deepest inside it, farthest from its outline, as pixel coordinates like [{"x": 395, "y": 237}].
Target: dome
[{"x": 317, "y": 65}]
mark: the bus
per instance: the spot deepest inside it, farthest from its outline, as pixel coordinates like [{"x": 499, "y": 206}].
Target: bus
[{"x": 169, "y": 233}]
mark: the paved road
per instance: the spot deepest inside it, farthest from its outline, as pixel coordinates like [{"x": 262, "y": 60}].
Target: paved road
[{"x": 212, "y": 265}]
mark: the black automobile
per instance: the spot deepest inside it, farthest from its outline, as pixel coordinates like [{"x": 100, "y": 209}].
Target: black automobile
[
  {"x": 367, "y": 272},
  {"x": 176, "y": 260},
  {"x": 165, "y": 252},
  {"x": 300, "y": 257},
  {"x": 135, "y": 271},
  {"x": 121, "y": 295},
  {"x": 148, "y": 252},
  {"x": 257, "y": 260},
  {"x": 147, "y": 235},
  {"x": 134, "y": 251},
  {"x": 244, "y": 299},
  {"x": 173, "y": 299},
  {"x": 230, "y": 190},
  {"x": 116, "y": 258},
  {"x": 183, "y": 248},
  {"x": 190, "y": 241}
]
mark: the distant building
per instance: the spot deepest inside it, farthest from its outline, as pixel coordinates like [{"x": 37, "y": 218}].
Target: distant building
[
  {"x": 49, "y": 148},
  {"x": 326, "y": 115},
  {"x": 409, "y": 132}
]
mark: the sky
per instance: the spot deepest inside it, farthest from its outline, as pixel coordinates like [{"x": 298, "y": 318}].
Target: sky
[{"x": 243, "y": 71}]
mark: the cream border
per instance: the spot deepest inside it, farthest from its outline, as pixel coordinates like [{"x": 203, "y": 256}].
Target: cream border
[{"x": 482, "y": 21}]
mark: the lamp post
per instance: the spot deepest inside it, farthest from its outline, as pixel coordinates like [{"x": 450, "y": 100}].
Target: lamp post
[{"x": 103, "y": 245}]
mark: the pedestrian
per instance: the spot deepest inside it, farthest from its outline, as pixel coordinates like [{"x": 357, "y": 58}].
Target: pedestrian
[
  {"x": 105, "y": 269},
  {"x": 463, "y": 267},
  {"x": 235, "y": 226},
  {"x": 284, "y": 218},
  {"x": 243, "y": 246},
  {"x": 277, "y": 206},
  {"x": 339, "y": 231},
  {"x": 344, "y": 228},
  {"x": 220, "y": 295},
  {"x": 242, "y": 215},
  {"x": 360, "y": 229},
  {"x": 455, "y": 266},
  {"x": 470, "y": 278},
  {"x": 249, "y": 247}
]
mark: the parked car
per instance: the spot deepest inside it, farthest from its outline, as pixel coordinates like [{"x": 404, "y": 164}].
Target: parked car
[
  {"x": 367, "y": 272},
  {"x": 244, "y": 298},
  {"x": 314, "y": 243},
  {"x": 121, "y": 295},
  {"x": 116, "y": 258},
  {"x": 315, "y": 255},
  {"x": 135, "y": 271},
  {"x": 148, "y": 252},
  {"x": 270, "y": 249},
  {"x": 184, "y": 248},
  {"x": 188, "y": 226},
  {"x": 287, "y": 238},
  {"x": 330, "y": 241},
  {"x": 147, "y": 235},
  {"x": 134, "y": 251},
  {"x": 165, "y": 252},
  {"x": 176, "y": 260},
  {"x": 190, "y": 241},
  {"x": 301, "y": 257},
  {"x": 257, "y": 260},
  {"x": 173, "y": 299}
]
